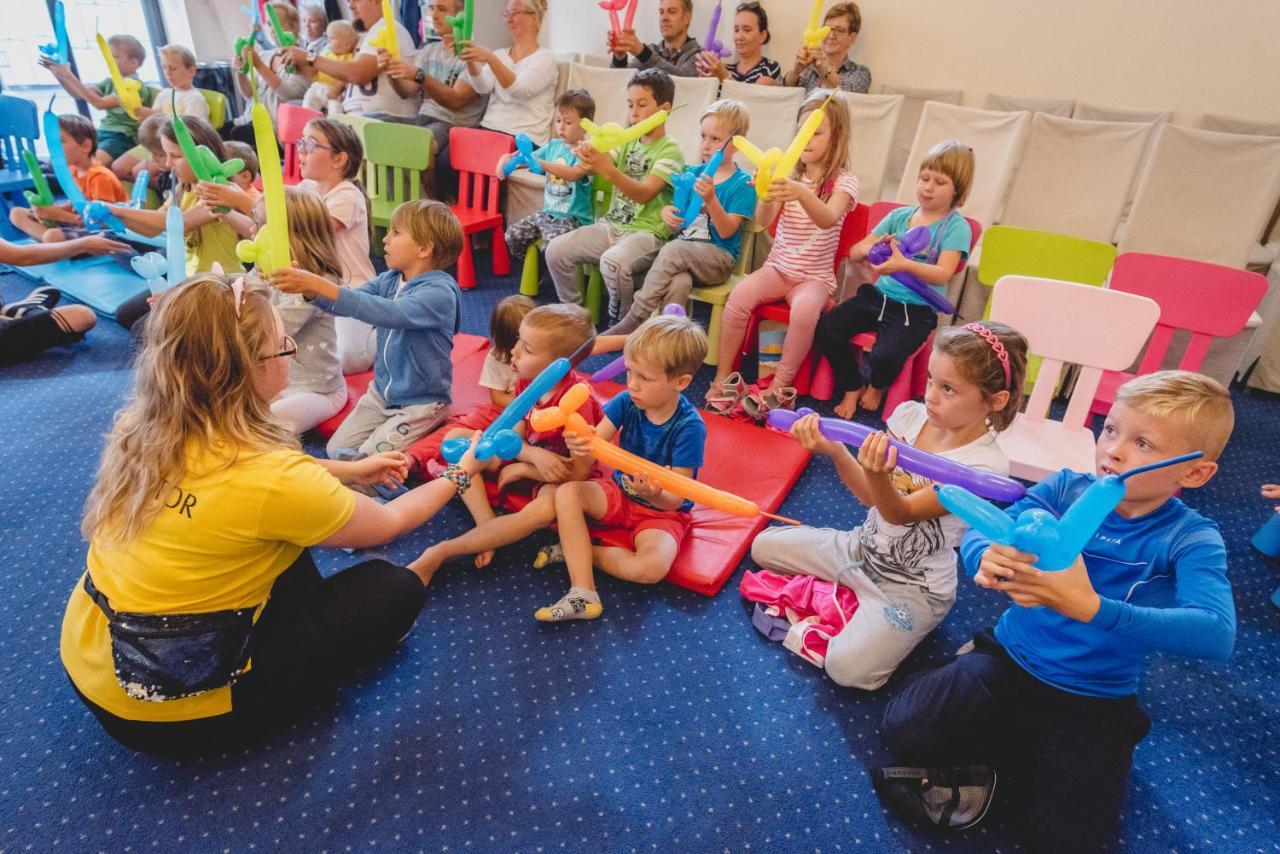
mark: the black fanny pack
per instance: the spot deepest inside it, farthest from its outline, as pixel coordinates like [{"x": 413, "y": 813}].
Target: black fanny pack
[{"x": 161, "y": 657}]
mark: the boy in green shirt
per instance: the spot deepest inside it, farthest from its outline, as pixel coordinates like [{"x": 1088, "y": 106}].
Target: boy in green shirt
[
  {"x": 118, "y": 131},
  {"x": 626, "y": 241}
]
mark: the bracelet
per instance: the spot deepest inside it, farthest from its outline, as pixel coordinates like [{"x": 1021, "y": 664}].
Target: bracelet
[{"x": 458, "y": 478}]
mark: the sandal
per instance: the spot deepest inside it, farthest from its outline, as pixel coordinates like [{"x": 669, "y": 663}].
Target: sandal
[
  {"x": 758, "y": 404},
  {"x": 723, "y": 397}
]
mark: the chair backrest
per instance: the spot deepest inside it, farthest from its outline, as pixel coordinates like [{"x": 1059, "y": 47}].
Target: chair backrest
[
  {"x": 693, "y": 95},
  {"x": 773, "y": 111},
  {"x": 395, "y": 156},
  {"x": 1208, "y": 300},
  {"x": 608, "y": 87},
  {"x": 1062, "y": 107},
  {"x": 1103, "y": 113},
  {"x": 1010, "y": 251},
  {"x": 1076, "y": 176},
  {"x": 1231, "y": 124},
  {"x": 217, "y": 103},
  {"x": 19, "y": 129},
  {"x": 873, "y": 122},
  {"x": 1204, "y": 195},
  {"x": 355, "y": 122},
  {"x": 291, "y": 120},
  {"x": 996, "y": 139},
  {"x": 913, "y": 101},
  {"x": 474, "y": 153},
  {"x": 1098, "y": 329}
]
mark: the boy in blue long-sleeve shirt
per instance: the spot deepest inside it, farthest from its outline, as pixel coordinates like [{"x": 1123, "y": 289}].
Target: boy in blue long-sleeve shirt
[
  {"x": 416, "y": 308},
  {"x": 1049, "y": 699}
]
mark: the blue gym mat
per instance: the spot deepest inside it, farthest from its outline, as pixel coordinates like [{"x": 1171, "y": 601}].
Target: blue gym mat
[{"x": 100, "y": 283}]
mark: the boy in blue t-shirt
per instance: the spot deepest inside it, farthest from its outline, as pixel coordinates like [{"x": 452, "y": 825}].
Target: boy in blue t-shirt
[
  {"x": 653, "y": 421},
  {"x": 706, "y": 249},
  {"x": 1049, "y": 699},
  {"x": 566, "y": 201}
]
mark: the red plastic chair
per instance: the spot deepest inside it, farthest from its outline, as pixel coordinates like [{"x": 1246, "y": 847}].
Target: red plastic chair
[
  {"x": 1207, "y": 300},
  {"x": 291, "y": 120},
  {"x": 853, "y": 229},
  {"x": 474, "y": 154}
]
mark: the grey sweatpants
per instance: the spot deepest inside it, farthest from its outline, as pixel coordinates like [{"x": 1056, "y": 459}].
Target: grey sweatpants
[
  {"x": 620, "y": 256},
  {"x": 679, "y": 264},
  {"x": 892, "y": 617},
  {"x": 373, "y": 427}
]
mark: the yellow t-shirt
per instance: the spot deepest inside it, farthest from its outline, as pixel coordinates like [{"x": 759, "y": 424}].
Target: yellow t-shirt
[
  {"x": 216, "y": 242},
  {"x": 336, "y": 57},
  {"x": 224, "y": 537}
]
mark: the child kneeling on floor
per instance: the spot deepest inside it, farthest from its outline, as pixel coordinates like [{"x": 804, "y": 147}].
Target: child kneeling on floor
[
  {"x": 1049, "y": 699},
  {"x": 417, "y": 308},
  {"x": 901, "y": 561},
  {"x": 652, "y": 420}
]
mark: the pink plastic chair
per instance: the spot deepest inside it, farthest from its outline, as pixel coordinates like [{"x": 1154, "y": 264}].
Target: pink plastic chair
[
  {"x": 291, "y": 120},
  {"x": 1208, "y": 300},
  {"x": 1098, "y": 329}
]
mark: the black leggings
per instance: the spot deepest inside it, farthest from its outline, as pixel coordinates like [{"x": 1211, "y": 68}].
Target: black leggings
[
  {"x": 30, "y": 336},
  {"x": 135, "y": 308},
  {"x": 313, "y": 635},
  {"x": 900, "y": 330}
]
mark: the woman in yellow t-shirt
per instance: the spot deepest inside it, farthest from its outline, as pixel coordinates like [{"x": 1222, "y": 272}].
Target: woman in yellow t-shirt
[{"x": 201, "y": 618}]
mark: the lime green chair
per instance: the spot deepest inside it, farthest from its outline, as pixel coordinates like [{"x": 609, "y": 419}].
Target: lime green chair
[
  {"x": 395, "y": 156},
  {"x": 217, "y": 107},
  {"x": 717, "y": 295},
  {"x": 601, "y": 197},
  {"x": 358, "y": 124},
  {"x": 1010, "y": 251}
]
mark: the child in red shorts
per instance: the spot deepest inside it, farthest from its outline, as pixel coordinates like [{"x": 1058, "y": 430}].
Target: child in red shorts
[{"x": 652, "y": 420}]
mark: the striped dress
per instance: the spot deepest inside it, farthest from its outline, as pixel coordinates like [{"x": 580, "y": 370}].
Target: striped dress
[{"x": 801, "y": 251}]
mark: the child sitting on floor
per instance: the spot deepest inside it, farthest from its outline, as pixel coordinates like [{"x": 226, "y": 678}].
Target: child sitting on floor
[
  {"x": 632, "y": 232},
  {"x": 496, "y": 374},
  {"x": 79, "y": 143},
  {"x": 652, "y": 420},
  {"x": 417, "y": 309},
  {"x": 547, "y": 333},
  {"x": 901, "y": 328},
  {"x": 325, "y": 94},
  {"x": 800, "y": 268},
  {"x": 235, "y": 202},
  {"x": 566, "y": 201},
  {"x": 708, "y": 247},
  {"x": 153, "y": 160},
  {"x": 901, "y": 561},
  {"x": 1049, "y": 700},
  {"x": 118, "y": 131}
]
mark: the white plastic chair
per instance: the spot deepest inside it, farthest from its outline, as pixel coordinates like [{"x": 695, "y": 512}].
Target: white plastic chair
[
  {"x": 1075, "y": 176},
  {"x": 1066, "y": 323},
  {"x": 773, "y": 111},
  {"x": 913, "y": 101},
  {"x": 1061, "y": 107},
  {"x": 996, "y": 139},
  {"x": 873, "y": 122}
]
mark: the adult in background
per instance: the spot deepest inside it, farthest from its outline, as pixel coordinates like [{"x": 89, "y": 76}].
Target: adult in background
[
  {"x": 439, "y": 77},
  {"x": 201, "y": 619},
  {"x": 829, "y": 65},
  {"x": 520, "y": 80},
  {"x": 369, "y": 90},
  {"x": 314, "y": 22},
  {"x": 750, "y": 35},
  {"x": 676, "y": 54},
  {"x": 278, "y": 81}
]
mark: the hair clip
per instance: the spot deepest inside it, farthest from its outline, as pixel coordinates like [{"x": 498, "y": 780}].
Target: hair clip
[
  {"x": 997, "y": 346},
  {"x": 237, "y": 294}
]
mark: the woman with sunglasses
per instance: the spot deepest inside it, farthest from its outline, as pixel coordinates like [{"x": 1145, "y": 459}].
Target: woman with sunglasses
[
  {"x": 520, "y": 80},
  {"x": 201, "y": 619}
]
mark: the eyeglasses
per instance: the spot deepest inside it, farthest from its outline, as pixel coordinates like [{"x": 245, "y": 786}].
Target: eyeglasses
[
  {"x": 508, "y": 14},
  {"x": 290, "y": 349},
  {"x": 306, "y": 145},
  {"x": 840, "y": 31}
]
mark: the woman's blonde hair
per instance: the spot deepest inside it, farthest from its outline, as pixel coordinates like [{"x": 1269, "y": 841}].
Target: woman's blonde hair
[
  {"x": 537, "y": 7},
  {"x": 954, "y": 159},
  {"x": 311, "y": 240},
  {"x": 194, "y": 393},
  {"x": 837, "y": 157}
]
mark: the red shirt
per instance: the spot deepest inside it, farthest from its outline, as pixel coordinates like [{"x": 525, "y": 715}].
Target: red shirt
[{"x": 553, "y": 440}]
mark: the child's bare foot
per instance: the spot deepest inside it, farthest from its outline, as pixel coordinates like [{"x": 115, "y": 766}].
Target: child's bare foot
[
  {"x": 484, "y": 559},
  {"x": 848, "y": 406},
  {"x": 427, "y": 564},
  {"x": 871, "y": 399}
]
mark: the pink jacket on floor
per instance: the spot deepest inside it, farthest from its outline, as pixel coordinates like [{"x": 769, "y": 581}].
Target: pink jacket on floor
[{"x": 818, "y": 610}]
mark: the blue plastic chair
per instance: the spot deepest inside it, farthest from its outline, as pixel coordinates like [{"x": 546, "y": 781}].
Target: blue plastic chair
[{"x": 19, "y": 129}]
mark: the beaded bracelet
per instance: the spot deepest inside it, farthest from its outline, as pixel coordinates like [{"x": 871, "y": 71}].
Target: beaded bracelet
[{"x": 458, "y": 477}]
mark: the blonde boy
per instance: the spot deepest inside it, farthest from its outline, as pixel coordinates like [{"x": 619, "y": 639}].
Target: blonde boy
[
  {"x": 342, "y": 41},
  {"x": 179, "y": 66},
  {"x": 1051, "y": 694},
  {"x": 652, "y": 420},
  {"x": 706, "y": 248}
]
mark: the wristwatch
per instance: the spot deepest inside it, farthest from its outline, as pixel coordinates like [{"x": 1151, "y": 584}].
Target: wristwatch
[
  {"x": 311, "y": 58},
  {"x": 420, "y": 76}
]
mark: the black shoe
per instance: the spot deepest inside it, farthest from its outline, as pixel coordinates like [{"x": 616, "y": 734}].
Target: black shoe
[
  {"x": 945, "y": 798},
  {"x": 41, "y": 299}
]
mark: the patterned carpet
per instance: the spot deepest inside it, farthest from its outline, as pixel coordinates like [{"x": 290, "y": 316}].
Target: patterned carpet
[{"x": 669, "y": 724}]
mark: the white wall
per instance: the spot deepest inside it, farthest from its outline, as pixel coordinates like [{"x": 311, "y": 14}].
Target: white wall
[{"x": 1182, "y": 55}]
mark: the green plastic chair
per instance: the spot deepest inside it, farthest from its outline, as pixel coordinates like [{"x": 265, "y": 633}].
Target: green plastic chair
[
  {"x": 395, "y": 156},
  {"x": 217, "y": 107},
  {"x": 601, "y": 197},
  {"x": 717, "y": 295},
  {"x": 358, "y": 124},
  {"x": 1010, "y": 251}
]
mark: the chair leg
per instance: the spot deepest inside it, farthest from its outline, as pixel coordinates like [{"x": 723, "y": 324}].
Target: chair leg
[
  {"x": 501, "y": 257},
  {"x": 595, "y": 294},
  {"x": 823, "y": 386},
  {"x": 466, "y": 265},
  {"x": 713, "y": 335},
  {"x": 529, "y": 275}
]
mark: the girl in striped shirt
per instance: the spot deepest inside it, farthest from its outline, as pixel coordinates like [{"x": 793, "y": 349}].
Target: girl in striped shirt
[{"x": 800, "y": 268}]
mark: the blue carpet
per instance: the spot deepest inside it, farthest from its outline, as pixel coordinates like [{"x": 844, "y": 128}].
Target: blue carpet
[{"x": 669, "y": 724}]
